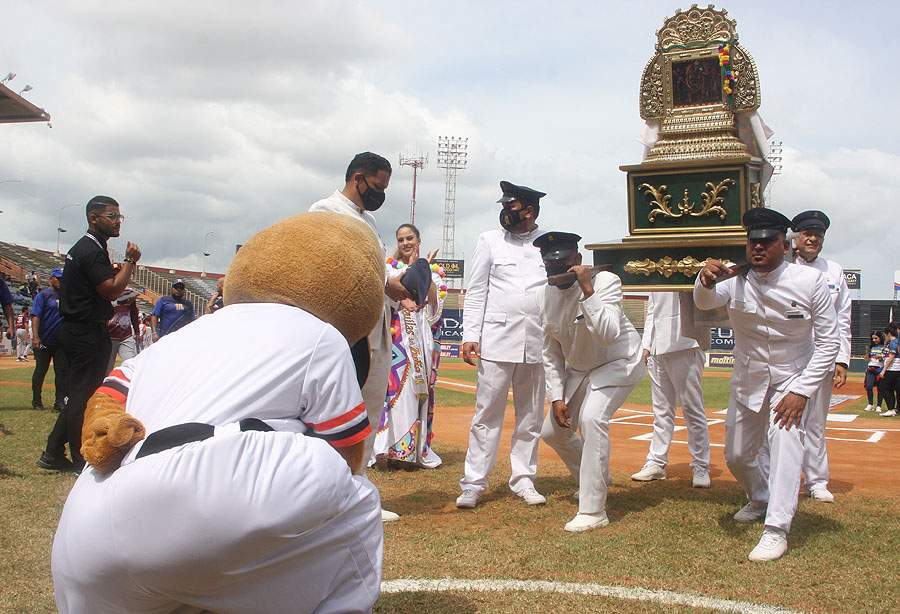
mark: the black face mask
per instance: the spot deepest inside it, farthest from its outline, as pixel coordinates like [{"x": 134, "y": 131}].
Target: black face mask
[
  {"x": 558, "y": 268},
  {"x": 510, "y": 219},
  {"x": 372, "y": 198}
]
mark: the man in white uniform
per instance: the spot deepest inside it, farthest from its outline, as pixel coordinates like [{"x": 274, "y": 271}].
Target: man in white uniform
[
  {"x": 501, "y": 326},
  {"x": 811, "y": 227},
  {"x": 675, "y": 363},
  {"x": 786, "y": 343},
  {"x": 366, "y": 180},
  {"x": 592, "y": 361},
  {"x": 276, "y": 541}
]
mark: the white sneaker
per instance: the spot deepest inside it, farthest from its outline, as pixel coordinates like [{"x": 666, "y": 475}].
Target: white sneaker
[
  {"x": 586, "y": 522},
  {"x": 468, "y": 499},
  {"x": 821, "y": 494},
  {"x": 772, "y": 545},
  {"x": 532, "y": 497},
  {"x": 750, "y": 513},
  {"x": 891, "y": 412},
  {"x": 387, "y": 516},
  {"x": 649, "y": 472},
  {"x": 869, "y": 407},
  {"x": 701, "y": 479}
]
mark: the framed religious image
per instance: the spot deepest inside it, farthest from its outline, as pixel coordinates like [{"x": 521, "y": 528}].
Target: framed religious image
[{"x": 696, "y": 82}]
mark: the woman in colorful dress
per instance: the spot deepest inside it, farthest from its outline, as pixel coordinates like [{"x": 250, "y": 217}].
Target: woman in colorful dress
[{"x": 405, "y": 432}]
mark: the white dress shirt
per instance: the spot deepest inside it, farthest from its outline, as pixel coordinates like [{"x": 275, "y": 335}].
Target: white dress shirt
[
  {"x": 666, "y": 327},
  {"x": 379, "y": 338},
  {"x": 588, "y": 336},
  {"x": 501, "y": 310},
  {"x": 785, "y": 330},
  {"x": 840, "y": 296}
]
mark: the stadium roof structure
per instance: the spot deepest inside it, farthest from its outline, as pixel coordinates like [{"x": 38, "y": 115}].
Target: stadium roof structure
[{"x": 15, "y": 109}]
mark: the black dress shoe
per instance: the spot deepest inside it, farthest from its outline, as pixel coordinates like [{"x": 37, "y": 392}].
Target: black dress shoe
[
  {"x": 58, "y": 407},
  {"x": 54, "y": 463},
  {"x": 37, "y": 405}
]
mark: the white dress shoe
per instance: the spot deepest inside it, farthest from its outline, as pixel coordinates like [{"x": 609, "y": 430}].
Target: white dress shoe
[
  {"x": 822, "y": 495},
  {"x": 586, "y": 522},
  {"x": 771, "y": 547},
  {"x": 869, "y": 407},
  {"x": 468, "y": 499},
  {"x": 387, "y": 516},
  {"x": 750, "y": 513},
  {"x": 701, "y": 479},
  {"x": 890, "y": 412},
  {"x": 532, "y": 497},
  {"x": 649, "y": 472}
]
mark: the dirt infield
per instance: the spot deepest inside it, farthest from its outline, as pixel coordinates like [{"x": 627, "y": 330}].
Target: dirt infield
[{"x": 863, "y": 454}]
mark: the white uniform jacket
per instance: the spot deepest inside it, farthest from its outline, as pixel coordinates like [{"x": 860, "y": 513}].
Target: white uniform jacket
[
  {"x": 840, "y": 296},
  {"x": 785, "y": 330},
  {"x": 379, "y": 338},
  {"x": 589, "y": 337},
  {"x": 501, "y": 310},
  {"x": 667, "y": 325}
]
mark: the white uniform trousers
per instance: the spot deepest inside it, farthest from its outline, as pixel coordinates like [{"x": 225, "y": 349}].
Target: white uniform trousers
[
  {"x": 586, "y": 453},
  {"x": 244, "y": 522},
  {"x": 815, "y": 453},
  {"x": 745, "y": 434},
  {"x": 675, "y": 378},
  {"x": 491, "y": 393},
  {"x": 374, "y": 392}
]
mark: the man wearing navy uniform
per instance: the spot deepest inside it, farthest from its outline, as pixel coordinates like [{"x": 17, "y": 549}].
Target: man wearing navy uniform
[
  {"x": 786, "y": 343},
  {"x": 45, "y": 325},
  {"x": 501, "y": 327}
]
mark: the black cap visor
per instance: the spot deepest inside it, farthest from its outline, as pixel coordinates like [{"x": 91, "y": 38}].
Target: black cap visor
[{"x": 765, "y": 233}]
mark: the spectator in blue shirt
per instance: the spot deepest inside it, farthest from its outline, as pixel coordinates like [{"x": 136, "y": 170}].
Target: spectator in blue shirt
[
  {"x": 6, "y": 302},
  {"x": 45, "y": 325},
  {"x": 171, "y": 312}
]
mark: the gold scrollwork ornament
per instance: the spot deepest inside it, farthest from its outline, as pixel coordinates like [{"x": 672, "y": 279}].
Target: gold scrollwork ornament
[
  {"x": 665, "y": 266},
  {"x": 712, "y": 199}
]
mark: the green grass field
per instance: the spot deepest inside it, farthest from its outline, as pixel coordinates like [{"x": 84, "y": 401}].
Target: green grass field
[{"x": 663, "y": 535}]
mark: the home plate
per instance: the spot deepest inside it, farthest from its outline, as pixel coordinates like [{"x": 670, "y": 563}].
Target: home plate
[
  {"x": 837, "y": 399},
  {"x": 842, "y": 417}
]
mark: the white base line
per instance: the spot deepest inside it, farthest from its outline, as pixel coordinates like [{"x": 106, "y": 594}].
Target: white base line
[{"x": 573, "y": 588}]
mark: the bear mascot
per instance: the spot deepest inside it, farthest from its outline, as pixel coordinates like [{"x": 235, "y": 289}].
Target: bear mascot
[{"x": 224, "y": 462}]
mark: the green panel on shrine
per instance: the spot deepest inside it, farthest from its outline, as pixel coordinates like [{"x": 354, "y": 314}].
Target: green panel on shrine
[
  {"x": 655, "y": 265},
  {"x": 668, "y": 201}
]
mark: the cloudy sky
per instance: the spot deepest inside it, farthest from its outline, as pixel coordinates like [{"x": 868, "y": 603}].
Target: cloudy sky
[{"x": 226, "y": 116}]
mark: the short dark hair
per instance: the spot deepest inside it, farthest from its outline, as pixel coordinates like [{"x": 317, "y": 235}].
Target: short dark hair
[
  {"x": 368, "y": 164},
  {"x": 99, "y": 203}
]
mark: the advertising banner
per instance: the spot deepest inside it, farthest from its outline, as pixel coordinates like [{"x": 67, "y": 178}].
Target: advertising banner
[
  {"x": 854, "y": 278},
  {"x": 451, "y": 326},
  {"x": 454, "y": 269},
  {"x": 720, "y": 359},
  {"x": 721, "y": 339}
]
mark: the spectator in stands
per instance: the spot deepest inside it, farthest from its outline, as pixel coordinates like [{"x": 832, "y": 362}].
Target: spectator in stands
[
  {"x": 89, "y": 284},
  {"x": 876, "y": 364},
  {"x": 6, "y": 302},
  {"x": 33, "y": 285},
  {"x": 23, "y": 334},
  {"x": 216, "y": 302},
  {"x": 889, "y": 378},
  {"x": 171, "y": 312},
  {"x": 124, "y": 328},
  {"x": 45, "y": 324}
]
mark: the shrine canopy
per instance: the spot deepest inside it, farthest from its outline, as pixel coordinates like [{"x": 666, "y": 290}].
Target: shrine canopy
[{"x": 15, "y": 109}]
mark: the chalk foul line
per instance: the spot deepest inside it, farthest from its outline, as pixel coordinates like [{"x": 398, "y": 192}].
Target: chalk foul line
[{"x": 405, "y": 585}]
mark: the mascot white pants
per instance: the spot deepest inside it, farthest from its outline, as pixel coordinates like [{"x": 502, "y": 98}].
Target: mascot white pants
[{"x": 267, "y": 522}]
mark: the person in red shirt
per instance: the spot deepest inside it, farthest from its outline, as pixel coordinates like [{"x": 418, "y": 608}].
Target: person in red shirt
[
  {"x": 23, "y": 334},
  {"x": 124, "y": 328}
]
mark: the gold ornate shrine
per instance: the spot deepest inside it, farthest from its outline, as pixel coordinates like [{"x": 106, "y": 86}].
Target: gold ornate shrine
[{"x": 703, "y": 166}]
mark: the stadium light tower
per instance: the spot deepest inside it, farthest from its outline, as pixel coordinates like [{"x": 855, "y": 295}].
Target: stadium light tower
[
  {"x": 775, "y": 158},
  {"x": 416, "y": 162},
  {"x": 452, "y": 157},
  {"x": 59, "y": 228}
]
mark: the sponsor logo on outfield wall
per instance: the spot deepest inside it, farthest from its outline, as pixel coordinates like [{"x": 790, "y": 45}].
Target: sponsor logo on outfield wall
[
  {"x": 454, "y": 269},
  {"x": 720, "y": 359}
]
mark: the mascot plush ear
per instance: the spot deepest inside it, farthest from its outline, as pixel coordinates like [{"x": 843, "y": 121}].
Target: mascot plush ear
[{"x": 327, "y": 264}]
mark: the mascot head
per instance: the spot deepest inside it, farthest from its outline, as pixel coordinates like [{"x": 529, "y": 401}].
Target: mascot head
[{"x": 328, "y": 264}]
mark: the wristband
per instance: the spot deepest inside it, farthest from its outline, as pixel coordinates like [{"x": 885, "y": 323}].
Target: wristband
[{"x": 131, "y": 260}]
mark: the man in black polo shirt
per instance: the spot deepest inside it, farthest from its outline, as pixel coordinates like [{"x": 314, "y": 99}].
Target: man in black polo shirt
[{"x": 89, "y": 285}]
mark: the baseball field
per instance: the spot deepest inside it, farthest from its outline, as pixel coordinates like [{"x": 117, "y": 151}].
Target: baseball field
[{"x": 668, "y": 547}]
